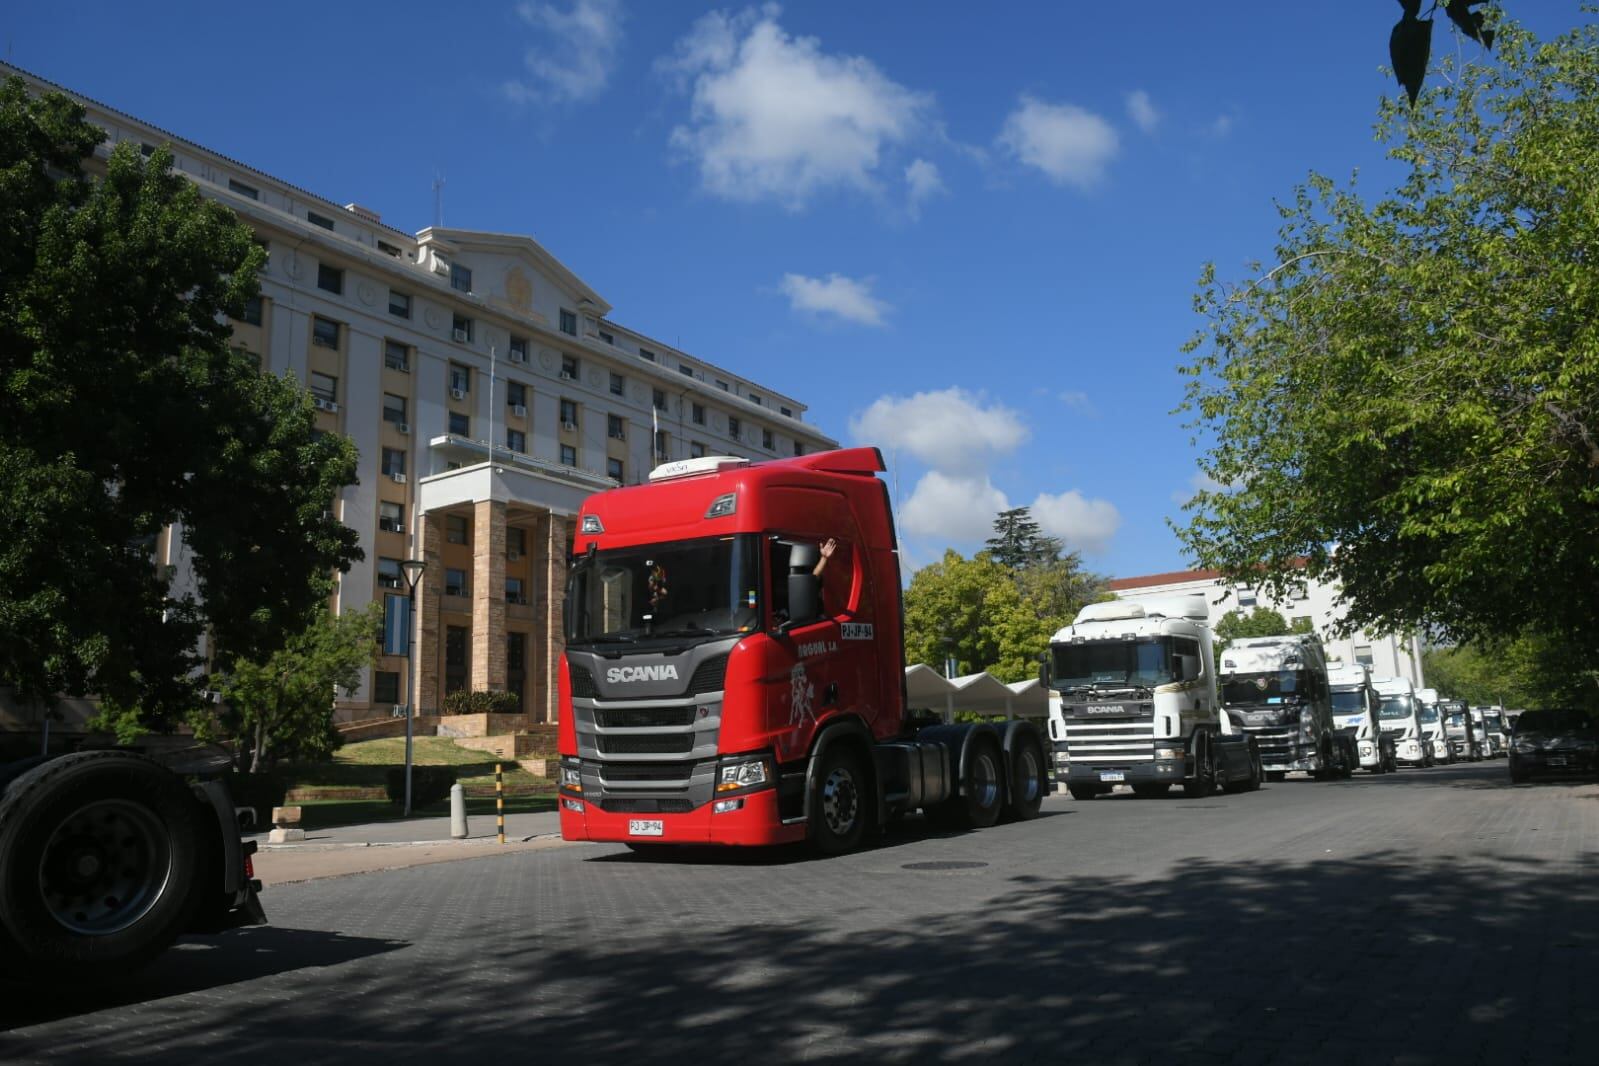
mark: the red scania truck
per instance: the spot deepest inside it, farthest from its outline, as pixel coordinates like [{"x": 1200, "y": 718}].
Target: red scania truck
[{"x": 724, "y": 682}]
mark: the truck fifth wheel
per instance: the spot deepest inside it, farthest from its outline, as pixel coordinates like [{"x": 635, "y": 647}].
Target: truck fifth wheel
[{"x": 734, "y": 668}]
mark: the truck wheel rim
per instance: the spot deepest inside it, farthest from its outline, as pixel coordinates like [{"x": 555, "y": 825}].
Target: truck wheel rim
[
  {"x": 840, "y": 801},
  {"x": 104, "y": 867},
  {"x": 985, "y": 781},
  {"x": 1030, "y": 787}
]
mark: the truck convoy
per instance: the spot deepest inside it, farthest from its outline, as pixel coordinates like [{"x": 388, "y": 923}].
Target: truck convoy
[
  {"x": 1432, "y": 726},
  {"x": 1137, "y": 703},
  {"x": 1464, "y": 739},
  {"x": 1401, "y": 720},
  {"x": 1275, "y": 689},
  {"x": 106, "y": 857},
  {"x": 1354, "y": 704},
  {"x": 727, "y": 681}
]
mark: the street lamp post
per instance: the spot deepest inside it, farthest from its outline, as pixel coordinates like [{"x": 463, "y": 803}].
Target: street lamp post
[{"x": 413, "y": 569}]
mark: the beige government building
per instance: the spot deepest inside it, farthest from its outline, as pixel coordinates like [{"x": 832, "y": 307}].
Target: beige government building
[{"x": 489, "y": 392}]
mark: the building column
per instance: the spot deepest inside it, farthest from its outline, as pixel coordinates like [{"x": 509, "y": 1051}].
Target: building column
[
  {"x": 429, "y": 648},
  {"x": 554, "y": 613},
  {"x": 488, "y": 596}
]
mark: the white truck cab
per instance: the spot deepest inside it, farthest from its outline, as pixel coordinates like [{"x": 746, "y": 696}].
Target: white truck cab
[
  {"x": 1401, "y": 719},
  {"x": 1355, "y": 707},
  {"x": 1432, "y": 725}
]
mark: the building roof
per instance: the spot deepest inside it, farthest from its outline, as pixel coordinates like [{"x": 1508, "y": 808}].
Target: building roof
[{"x": 1175, "y": 577}]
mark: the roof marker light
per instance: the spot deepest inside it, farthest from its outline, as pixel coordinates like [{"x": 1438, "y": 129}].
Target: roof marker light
[{"x": 723, "y": 506}]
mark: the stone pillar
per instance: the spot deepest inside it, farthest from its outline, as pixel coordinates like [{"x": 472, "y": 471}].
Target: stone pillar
[
  {"x": 488, "y": 596},
  {"x": 429, "y": 648},
  {"x": 554, "y": 613}
]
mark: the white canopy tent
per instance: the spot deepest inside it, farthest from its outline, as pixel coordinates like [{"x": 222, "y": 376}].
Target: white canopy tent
[{"x": 979, "y": 693}]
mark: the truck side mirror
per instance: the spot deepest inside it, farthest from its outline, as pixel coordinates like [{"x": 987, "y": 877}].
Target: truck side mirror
[
  {"x": 1043, "y": 671},
  {"x": 804, "y": 598}
]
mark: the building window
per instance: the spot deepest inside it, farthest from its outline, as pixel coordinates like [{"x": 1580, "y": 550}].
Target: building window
[
  {"x": 698, "y": 414},
  {"x": 658, "y": 399},
  {"x": 686, "y": 370},
  {"x": 785, "y": 412},
  {"x": 722, "y": 385},
  {"x": 569, "y": 367},
  {"x": 454, "y": 658},
  {"x": 319, "y": 220},
  {"x": 568, "y": 322},
  {"x": 568, "y": 455},
  {"x": 393, "y": 462},
  {"x": 391, "y": 517},
  {"x": 454, "y": 582},
  {"x": 618, "y": 384},
  {"x": 615, "y": 428},
  {"x": 766, "y": 439},
  {"x": 397, "y": 356},
  {"x": 515, "y": 590},
  {"x": 660, "y": 445},
  {"x": 330, "y": 279},
  {"x": 516, "y": 440},
  {"x": 399, "y": 304},
  {"x": 389, "y": 574},
  {"x": 394, "y": 409},
  {"x": 647, "y": 355},
  {"x": 733, "y": 427},
  {"x": 252, "y": 311},
  {"x": 696, "y": 450},
  {"x": 515, "y": 542},
  {"x": 324, "y": 332},
  {"x": 460, "y": 378},
  {"x": 455, "y": 528},
  {"x": 460, "y": 424},
  {"x": 515, "y": 394},
  {"x": 518, "y": 348},
  {"x": 607, "y": 338},
  {"x": 324, "y": 387},
  {"x": 386, "y": 687},
  {"x": 460, "y": 278},
  {"x": 242, "y": 189},
  {"x": 754, "y": 399},
  {"x": 613, "y": 469},
  {"x": 461, "y": 329},
  {"x": 1246, "y": 597},
  {"x": 799, "y": 449},
  {"x": 568, "y": 414},
  {"x": 1363, "y": 654},
  {"x": 389, "y": 249}
]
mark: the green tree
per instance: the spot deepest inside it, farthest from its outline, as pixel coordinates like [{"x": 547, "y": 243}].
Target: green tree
[
  {"x": 281, "y": 706},
  {"x": 1018, "y": 541},
  {"x": 1261, "y": 622},
  {"x": 1409, "y": 398},
  {"x": 124, "y": 410},
  {"x": 1530, "y": 671}
]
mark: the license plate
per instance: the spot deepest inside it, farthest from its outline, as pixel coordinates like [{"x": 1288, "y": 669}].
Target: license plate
[
  {"x": 646, "y": 827},
  {"x": 1112, "y": 775},
  {"x": 1557, "y": 760}
]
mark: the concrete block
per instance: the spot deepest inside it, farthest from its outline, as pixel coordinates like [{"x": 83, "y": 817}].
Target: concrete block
[{"x": 285, "y": 836}]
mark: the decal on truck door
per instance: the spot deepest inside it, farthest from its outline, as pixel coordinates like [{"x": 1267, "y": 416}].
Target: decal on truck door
[{"x": 801, "y": 697}]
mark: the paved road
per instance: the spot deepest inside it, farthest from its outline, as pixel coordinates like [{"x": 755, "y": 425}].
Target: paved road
[{"x": 1434, "y": 916}]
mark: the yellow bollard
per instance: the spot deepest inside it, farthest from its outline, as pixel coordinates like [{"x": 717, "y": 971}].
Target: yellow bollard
[{"x": 499, "y": 801}]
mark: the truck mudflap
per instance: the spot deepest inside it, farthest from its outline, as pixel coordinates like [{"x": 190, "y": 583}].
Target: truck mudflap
[
  {"x": 1235, "y": 756},
  {"x": 239, "y": 899}
]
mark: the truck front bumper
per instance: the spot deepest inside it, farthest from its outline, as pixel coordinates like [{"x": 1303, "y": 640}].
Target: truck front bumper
[
  {"x": 1370, "y": 755},
  {"x": 1410, "y": 751},
  {"x": 754, "y": 823},
  {"x": 1157, "y": 771}
]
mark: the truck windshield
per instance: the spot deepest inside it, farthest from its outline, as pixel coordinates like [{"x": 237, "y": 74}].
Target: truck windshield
[
  {"x": 1427, "y": 714},
  {"x": 685, "y": 590},
  {"x": 1279, "y": 686},
  {"x": 1457, "y": 720},
  {"x": 1144, "y": 663},
  {"x": 1350, "y": 701},
  {"x": 1395, "y": 707},
  {"x": 1494, "y": 723}
]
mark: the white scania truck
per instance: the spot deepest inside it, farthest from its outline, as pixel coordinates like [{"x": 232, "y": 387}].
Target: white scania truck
[
  {"x": 1355, "y": 705},
  {"x": 1135, "y": 703},
  {"x": 1401, "y": 720},
  {"x": 1275, "y": 689},
  {"x": 1433, "y": 733}
]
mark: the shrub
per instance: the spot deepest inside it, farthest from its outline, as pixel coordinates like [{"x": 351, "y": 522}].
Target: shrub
[
  {"x": 463, "y": 702},
  {"x": 429, "y": 784}
]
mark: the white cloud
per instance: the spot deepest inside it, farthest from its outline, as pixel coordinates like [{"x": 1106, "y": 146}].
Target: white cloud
[
  {"x": 1142, "y": 110},
  {"x": 1084, "y": 524},
  {"x": 774, "y": 117},
  {"x": 924, "y": 182},
  {"x": 951, "y": 430},
  {"x": 952, "y": 507},
  {"x": 1070, "y": 145},
  {"x": 575, "y": 54},
  {"x": 835, "y": 295}
]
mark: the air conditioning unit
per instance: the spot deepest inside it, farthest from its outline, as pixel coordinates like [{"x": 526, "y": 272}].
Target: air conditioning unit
[
  {"x": 518, "y": 357},
  {"x": 566, "y": 375},
  {"x": 519, "y": 410},
  {"x": 403, "y": 427},
  {"x": 397, "y": 528},
  {"x": 457, "y": 394},
  {"x": 325, "y": 405},
  {"x": 570, "y": 427},
  {"x": 398, "y": 478},
  {"x": 461, "y": 337}
]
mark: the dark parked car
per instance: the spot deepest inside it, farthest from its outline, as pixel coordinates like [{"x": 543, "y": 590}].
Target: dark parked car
[{"x": 1554, "y": 742}]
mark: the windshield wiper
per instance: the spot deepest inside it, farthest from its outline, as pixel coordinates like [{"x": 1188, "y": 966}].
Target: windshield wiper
[
  {"x": 688, "y": 631},
  {"x": 608, "y": 638}
]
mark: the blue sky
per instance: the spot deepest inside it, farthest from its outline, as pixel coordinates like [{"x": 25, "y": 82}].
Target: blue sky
[{"x": 966, "y": 233}]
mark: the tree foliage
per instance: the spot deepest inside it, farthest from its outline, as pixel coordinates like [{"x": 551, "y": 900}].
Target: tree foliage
[
  {"x": 1260, "y": 622},
  {"x": 1409, "y": 398},
  {"x": 1531, "y": 671},
  {"x": 281, "y": 706},
  {"x": 1019, "y": 542},
  {"x": 1410, "y": 42},
  {"x": 123, "y": 410}
]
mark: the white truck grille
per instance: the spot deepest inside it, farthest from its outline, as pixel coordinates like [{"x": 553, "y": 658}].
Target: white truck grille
[{"x": 1102, "y": 742}]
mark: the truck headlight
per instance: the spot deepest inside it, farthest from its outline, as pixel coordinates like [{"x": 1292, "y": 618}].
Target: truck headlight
[
  {"x": 1524, "y": 748},
  {"x": 744, "y": 772},
  {"x": 1170, "y": 753},
  {"x": 571, "y": 775}
]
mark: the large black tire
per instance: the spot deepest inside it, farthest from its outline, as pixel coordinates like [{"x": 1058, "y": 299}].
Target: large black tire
[
  {"x": 98, "y": 863},
  {"x": 1203, "y": 783},
  {"x": 1258, "y": 771},
  {"x": 1082, "y": 792},
  {"x": 1029, "y": 780},
  {"x": 1518, "y": 776},
  {"x": 982, "y": 792},
  {"x": 1151, "y": 789},
  {"x": 1350, "y": 757},
  {"x": 839, "y": 801}
]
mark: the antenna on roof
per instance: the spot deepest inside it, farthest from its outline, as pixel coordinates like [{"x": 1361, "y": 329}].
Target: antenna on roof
[{"x": 438, "y": 199}]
